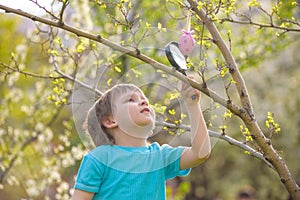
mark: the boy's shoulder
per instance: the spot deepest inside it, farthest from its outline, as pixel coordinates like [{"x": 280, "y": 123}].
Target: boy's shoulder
[
  {"x": 100, "y": 151},
  {"x": 103, "y": 154}
]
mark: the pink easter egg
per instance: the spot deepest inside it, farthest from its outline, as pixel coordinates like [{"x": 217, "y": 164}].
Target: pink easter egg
[{"x": 186, "y": 42}]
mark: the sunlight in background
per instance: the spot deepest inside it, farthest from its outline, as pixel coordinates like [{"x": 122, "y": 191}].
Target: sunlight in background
[{"x": 30, "y": 7}]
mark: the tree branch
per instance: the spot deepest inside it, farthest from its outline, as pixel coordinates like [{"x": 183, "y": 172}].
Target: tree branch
[
  {"x": 224, "y": 137},
  {"x": 269, "y": 152}
]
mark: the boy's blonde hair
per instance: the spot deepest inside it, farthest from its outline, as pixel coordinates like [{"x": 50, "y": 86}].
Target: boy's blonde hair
[{"x": 102, "y": 109}]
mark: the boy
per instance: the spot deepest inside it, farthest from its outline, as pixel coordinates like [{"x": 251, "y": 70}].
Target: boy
[{"x": 123, "y": 165}]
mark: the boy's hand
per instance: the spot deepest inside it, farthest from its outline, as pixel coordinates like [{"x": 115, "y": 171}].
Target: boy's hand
[{"x": 190, "y": 95}]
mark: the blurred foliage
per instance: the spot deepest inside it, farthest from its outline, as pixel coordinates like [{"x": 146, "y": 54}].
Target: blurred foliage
[{"x": 42, "y": 141}]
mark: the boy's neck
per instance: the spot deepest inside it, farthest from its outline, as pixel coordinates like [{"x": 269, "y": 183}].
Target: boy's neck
[
  {"x": 132, "y": 144},
  {"x": 124, "y": 139}
]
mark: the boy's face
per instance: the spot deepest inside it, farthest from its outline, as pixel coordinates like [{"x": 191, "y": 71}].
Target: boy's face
[{"x": 133, "y": 114}]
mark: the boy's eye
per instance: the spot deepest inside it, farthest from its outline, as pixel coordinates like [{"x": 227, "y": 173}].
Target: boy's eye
[{"x": 131, "y": 100}]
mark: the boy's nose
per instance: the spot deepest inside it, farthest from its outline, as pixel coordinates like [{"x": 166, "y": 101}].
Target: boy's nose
[{"x": 144, "y": 102}]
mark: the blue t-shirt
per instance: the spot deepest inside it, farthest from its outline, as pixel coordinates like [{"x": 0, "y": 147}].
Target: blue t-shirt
[{"x": 116, "y": 172}]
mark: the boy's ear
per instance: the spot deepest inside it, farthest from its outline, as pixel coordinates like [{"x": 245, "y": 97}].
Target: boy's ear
[{"x": 109, "y": 122}]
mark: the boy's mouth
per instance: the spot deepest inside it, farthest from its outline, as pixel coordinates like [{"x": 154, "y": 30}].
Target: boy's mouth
[{"x": 147, "y": 110}]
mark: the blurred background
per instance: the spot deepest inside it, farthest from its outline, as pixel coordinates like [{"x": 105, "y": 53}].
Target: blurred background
[{"x": 42, "y": 109}]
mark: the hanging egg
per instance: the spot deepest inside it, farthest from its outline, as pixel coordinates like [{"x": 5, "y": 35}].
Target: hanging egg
[{"x": 186, "y": 42}]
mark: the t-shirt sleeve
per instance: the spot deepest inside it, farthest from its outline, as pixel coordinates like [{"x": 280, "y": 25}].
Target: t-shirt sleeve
[
  {"x": 90, "y": 175},
  {"x": 172, "y": 159}
]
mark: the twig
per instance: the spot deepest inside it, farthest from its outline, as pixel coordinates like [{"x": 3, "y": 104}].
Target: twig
[
  {"x": 260, "y": 25},
  {"x": 43, "y": 8},
  {"x": 28, "y": 74},
  {"x": 62, "y": 11}
]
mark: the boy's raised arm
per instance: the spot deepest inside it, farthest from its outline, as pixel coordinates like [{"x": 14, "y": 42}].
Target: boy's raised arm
[{"x": 201, "y": 148}]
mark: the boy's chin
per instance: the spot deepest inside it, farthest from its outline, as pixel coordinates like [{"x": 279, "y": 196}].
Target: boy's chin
[
  {"x": 140, "y": 131},
  {"x": 146, "y": 123}
]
